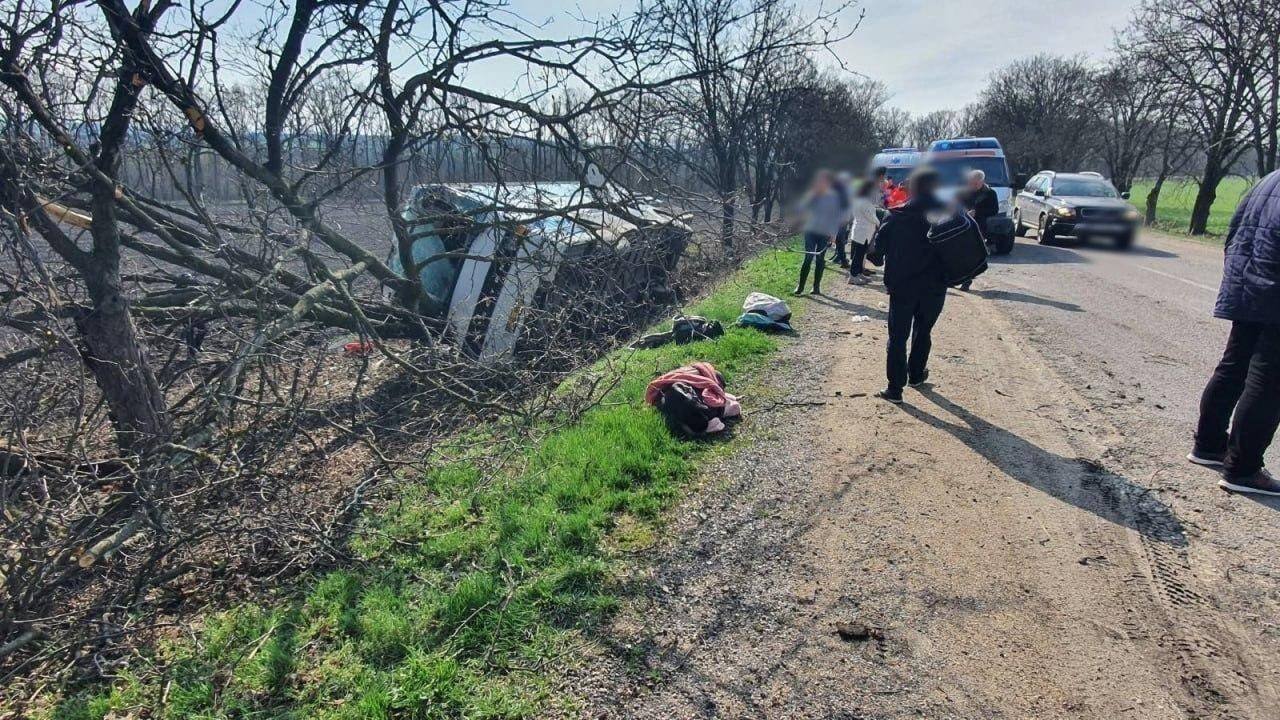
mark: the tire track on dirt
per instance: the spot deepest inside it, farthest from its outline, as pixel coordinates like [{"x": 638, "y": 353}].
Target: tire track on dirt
[{"x": 1215, "y": 664}]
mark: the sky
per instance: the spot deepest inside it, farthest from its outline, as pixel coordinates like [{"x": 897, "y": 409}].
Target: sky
[
  {"x": 932, "y": 54},
  {"x": 935, "y": 54}
]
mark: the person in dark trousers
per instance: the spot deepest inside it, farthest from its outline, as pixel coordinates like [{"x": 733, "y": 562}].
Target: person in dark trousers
[
  {"x": 1245, "y": 388},
  {"x": 917, "y": 285},
  {"x": 824, "y": 211},
  {"x": 844, "y": 186},
  {"x": 981, "y": 203},
  {"x": 865, "y": 221}
]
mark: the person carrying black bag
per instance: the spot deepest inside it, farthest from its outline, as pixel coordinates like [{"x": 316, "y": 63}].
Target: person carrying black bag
[{"x": 916, "y": 282}]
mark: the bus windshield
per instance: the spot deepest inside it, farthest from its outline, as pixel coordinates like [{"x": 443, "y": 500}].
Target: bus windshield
[
  {"x": 955, "y": 171},
  {"x": 898, "y": 174}
]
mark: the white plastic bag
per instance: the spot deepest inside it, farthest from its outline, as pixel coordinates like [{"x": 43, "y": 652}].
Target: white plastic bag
[{"x": 768, "y": 305}]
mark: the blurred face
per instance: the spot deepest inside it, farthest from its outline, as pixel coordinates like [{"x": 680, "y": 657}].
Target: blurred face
[
  {"x": 821, "y": 182},
  {"x": 975, "y": 182}
]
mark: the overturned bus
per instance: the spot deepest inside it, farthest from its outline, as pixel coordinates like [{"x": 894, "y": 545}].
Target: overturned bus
[{"x": 505, "y": 267}]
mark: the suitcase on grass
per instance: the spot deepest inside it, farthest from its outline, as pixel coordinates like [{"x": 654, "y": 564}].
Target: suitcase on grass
[{"x": 960, "y": 246}]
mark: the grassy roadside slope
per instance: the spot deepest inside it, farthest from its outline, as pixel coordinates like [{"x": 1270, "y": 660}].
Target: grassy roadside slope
[
  {"x": 1173, "y": 214},
  {"x": 466, "y": 586}
]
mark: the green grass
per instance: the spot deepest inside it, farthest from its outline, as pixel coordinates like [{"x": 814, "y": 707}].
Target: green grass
[
  {"x": 1173, "y": 214},
  {"x": 466, "y": 586}
]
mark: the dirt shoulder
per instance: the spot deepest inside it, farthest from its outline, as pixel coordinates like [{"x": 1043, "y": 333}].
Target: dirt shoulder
[{"x": 985, "y": 548}]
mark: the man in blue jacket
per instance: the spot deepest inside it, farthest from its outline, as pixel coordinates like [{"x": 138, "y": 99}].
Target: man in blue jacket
[{"x": 1245, "y": 387}]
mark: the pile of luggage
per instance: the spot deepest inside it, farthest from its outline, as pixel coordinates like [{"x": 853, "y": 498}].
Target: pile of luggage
[{"x": 692, "y": 400}]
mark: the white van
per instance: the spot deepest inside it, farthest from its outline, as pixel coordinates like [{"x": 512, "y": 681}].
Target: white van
[
  {"x": 897, "y": 163},
  {"x": 954, "y": 159}
]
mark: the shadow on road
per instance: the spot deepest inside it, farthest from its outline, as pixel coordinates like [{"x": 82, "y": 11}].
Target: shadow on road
[
  {"x": 847, "y": 306},
  {"x": 1272, "y": 503},
  {"x": 1027, "y": 298},
  {"x": 1078, "y": 481},
  {"x": 1142, "y": 251},
  {"x": 1030, "y": 253}
]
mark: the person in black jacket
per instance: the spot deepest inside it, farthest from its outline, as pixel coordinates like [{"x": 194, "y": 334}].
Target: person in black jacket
[
  {"x": 1240, "y": 407},
  {"x": 917, "y": 285},
  {"x": 982, "y": 204}
]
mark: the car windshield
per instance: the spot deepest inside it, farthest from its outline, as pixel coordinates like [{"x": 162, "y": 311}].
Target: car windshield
[
  {"x": 955, "y": 171},
  {"x": 1072, "y": 187}
]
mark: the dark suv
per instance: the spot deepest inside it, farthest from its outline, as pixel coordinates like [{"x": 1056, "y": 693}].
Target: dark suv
[{"x": 1079, "y": 205}]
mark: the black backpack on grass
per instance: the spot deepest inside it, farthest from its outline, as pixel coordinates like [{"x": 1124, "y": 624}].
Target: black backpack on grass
[
  {"x": 683, "y": 409},
  {"x": 688, "y": 328}
]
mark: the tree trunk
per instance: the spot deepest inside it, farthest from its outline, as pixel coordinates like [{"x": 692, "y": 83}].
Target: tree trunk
[
  {"x": 1205, "y": 196},
  {"x": 728, "y": 208},
  {"x": 113, "y": 353},
  {"x": 1153, "y": 200}
]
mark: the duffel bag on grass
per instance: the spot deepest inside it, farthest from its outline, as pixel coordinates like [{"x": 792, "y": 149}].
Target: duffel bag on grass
[{"x": 767, "y": 305}]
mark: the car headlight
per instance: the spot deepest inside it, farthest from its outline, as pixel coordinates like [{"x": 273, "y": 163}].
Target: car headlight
[
  {"x": 1132, "y": 214},
  {"x": 1064, "y": 211}
]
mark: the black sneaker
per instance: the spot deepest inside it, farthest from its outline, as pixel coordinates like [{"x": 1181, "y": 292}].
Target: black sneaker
[
  {"x": 1259, "y": 483},
  {"x": 891, "y": 396},
  {"x": 798, "y": 291},
  {"x": 924, "y": 378},
  {"x": 1208, "y": 459}
]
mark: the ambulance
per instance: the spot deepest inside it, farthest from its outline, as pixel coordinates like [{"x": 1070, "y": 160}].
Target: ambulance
[{"x": 954, "y": 159}]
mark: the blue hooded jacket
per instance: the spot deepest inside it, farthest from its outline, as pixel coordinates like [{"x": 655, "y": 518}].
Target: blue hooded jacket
[{"x": 1250, "y": 290}]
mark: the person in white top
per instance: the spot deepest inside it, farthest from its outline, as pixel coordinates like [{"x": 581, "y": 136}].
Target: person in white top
[{"x": 865, "y": 223}]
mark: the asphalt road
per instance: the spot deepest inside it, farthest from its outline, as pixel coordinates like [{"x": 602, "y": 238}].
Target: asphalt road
[{"x": 1136, "y": 323}]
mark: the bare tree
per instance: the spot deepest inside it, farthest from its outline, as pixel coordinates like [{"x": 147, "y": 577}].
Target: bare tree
[
  {"x": 1207, "y": 50},
  {"x": 936, "y": 125},
  {"x": 893, "y": 126},
  {"x": 1037, "y": 107},
  {"x": 811, "y": 120},
  {"x": 734, "y": 48},
  {"x": 1263, "y": 86},
  {"x": 168, "y": 348},
  {"x": 1129, "y": 106}
]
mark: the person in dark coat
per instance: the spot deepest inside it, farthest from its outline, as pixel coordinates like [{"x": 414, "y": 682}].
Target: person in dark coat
[
  {"x": 980, "y": 200},
  {"x": 982, "y": 204},
  {"x": 1245, "y": 387},
  {"x": 915, "y": 280}
]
